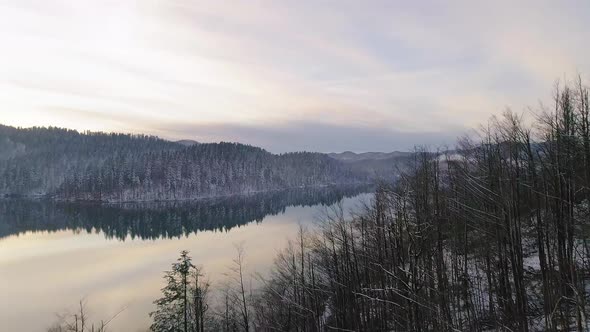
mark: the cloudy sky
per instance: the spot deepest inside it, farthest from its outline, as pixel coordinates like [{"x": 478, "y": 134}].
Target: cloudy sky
[{"x": 285, "y": 75}]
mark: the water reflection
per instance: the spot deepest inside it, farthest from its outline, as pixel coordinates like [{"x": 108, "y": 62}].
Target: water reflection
[
  {"x": 155, "y": 220},
  {"x": 45, "y": 267}
]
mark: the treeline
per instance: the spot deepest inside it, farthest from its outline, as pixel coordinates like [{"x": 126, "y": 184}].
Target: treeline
[
  {"x": 69, "y": 165},
  {"x": 491, "y": 237},
  {"x": 36, "y": 161}
]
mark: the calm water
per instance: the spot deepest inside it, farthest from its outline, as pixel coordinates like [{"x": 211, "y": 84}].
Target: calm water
[{"x": 52, "y": 255}]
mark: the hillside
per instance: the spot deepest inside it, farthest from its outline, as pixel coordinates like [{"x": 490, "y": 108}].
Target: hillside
[
  {"x": 375, "y": 165},
  {"x": 65, "y": 164}
]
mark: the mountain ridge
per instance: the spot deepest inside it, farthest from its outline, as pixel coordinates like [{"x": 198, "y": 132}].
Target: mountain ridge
[{"x": 349, "y": 156}]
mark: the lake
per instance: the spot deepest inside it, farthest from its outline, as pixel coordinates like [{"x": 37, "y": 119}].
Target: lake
[{"x": 52, "y": 255}]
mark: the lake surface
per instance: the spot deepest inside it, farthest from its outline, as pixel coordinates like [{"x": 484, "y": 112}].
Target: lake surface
[{"x": 52, "y": 255}]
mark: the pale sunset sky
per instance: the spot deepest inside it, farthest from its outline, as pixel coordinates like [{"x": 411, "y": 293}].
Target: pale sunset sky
[{"x": 285, "y": 75}]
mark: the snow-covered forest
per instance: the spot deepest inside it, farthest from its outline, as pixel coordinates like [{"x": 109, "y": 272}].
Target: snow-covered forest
[{"x": 68, "y": 165}]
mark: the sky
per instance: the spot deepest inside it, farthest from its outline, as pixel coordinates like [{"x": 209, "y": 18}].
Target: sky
[{"x": 324, "y": 76}]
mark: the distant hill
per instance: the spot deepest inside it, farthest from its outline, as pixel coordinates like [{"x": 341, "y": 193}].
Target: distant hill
[
  {"x": 349, "y": 156},
  {"x": 187, "y": 142},
  {"x": 69, "y": 165},
  {"x": 375, "y": 165}
]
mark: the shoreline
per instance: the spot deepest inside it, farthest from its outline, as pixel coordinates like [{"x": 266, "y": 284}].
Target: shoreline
[{"x": 48, "y": 197}]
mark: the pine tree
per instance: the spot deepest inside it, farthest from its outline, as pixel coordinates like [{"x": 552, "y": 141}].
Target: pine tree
[{"x": 172, "y": 312}]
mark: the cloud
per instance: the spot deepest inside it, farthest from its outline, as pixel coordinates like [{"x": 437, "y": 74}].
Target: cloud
[
  {"x": 313, "y": 136},
  {"x": 420, "y": 68}
]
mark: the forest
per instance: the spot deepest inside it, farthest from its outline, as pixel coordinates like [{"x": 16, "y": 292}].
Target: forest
[
  {"x": 93, "y": 166},
  {"x": 491, "y": 237}
]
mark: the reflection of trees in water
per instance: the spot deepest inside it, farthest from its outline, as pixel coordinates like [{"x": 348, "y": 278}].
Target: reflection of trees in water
[{"x": 161, "y": 219}]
